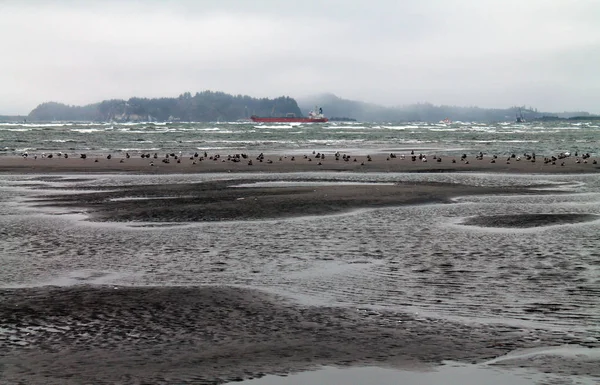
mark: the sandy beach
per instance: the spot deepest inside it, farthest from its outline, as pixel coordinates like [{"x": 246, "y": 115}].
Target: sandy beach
[
  {"x": 303, "y": 162},
  {"x": 215, "y": 334}
]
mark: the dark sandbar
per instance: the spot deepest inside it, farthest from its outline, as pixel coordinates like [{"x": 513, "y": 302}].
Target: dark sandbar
[
  {"x": 217, "y": 200},
  {"x": 212, "y": 335},
  {"x": 529, "y": 220}
]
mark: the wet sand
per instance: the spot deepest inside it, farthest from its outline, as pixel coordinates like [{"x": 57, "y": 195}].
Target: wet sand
[
  {"x": 222, "y": 200},
  {"x": 214, "y": 335},
  {"x": 300, "y": 163},
  {"x": 529, "y": 220}
]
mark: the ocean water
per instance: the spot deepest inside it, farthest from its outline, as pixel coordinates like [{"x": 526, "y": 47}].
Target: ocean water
[{"x": 454, "y": 138}]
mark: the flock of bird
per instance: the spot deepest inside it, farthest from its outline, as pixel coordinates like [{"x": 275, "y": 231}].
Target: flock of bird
[{"x": 320, "y": 157}]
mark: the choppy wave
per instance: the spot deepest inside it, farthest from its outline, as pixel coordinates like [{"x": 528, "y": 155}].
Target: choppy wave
[
  {"x": 87, "y": 130},
  {"x": 542, "y": 138}
]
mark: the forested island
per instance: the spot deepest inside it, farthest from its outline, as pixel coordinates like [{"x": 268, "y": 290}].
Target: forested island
[
  {"x": 210, "y": 106},
  {"x": 207, "y": 106}
]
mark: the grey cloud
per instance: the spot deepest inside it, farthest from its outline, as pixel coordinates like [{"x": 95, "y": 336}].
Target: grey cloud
[{"x": 489, "y": 53}]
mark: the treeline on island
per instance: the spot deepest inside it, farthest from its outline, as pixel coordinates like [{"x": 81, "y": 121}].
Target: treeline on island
[
  {"x": 210, "y": 106},
  {"x": 207, "y": 106}
]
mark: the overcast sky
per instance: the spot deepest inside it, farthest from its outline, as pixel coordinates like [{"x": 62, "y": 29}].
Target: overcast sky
[{"x": 543, "y": 53}]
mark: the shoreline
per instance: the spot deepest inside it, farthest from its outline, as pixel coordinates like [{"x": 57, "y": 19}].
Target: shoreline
[{"x": 308, "y": 162}]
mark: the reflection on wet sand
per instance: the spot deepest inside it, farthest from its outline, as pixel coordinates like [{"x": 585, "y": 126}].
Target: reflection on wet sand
[{"x": 451, "y": 373}]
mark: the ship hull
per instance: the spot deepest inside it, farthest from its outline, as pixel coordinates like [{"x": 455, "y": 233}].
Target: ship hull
[{"x": 288, "y": 120}]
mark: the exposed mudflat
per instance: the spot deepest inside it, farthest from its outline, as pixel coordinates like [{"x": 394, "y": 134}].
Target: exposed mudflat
[
  {"x": 187, "y": 279},
  {"x": 223, "y": 200},
  {"x": 212, "y": 335}
]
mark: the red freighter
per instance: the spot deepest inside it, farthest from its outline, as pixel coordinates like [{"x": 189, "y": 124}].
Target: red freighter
[{"x": 313, "y": 117}]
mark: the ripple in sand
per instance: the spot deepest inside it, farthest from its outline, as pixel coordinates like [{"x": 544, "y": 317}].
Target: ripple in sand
[
  {"x": 528, "y": 220},
  {"x": 283, "y": 183}
]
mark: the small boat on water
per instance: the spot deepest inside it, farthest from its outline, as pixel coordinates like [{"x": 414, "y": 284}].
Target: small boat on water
[
  {"x": 520, "y": 118},
  {"x": 315, "y": 116}
]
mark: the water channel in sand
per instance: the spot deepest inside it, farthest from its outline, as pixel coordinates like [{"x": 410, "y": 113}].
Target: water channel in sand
[{"x": 451, "y": 373}]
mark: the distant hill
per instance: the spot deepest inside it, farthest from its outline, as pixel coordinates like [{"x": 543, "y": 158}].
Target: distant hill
[
  {"x": 202, "y": 107},
  {"x": 209, "y": 106},
  {"x": 424, "y": 112},
  {"x": 12, "y": 118}
]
